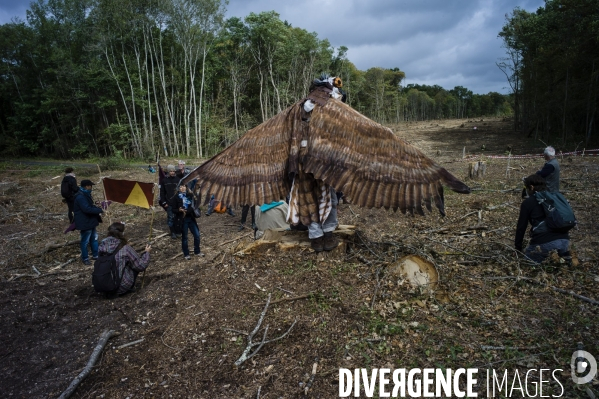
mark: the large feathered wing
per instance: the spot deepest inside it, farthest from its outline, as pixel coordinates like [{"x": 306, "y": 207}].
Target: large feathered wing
[
  {"x": 345, "y": 149},
  {"x": 253, "y": 170},
  {"x": 371, "y": 165}
]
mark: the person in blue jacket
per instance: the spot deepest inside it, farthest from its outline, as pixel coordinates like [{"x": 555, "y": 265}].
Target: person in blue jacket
[{"x": 87, "y": 217}]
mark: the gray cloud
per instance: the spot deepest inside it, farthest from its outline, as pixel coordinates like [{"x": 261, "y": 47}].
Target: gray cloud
[{"x": 445, "y": 42}]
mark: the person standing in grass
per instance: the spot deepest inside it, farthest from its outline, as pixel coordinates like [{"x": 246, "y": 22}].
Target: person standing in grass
[
  {"x": 87, "y": 217},
  {"x": 168, "y": 198},
  {"x": 185, "y": 209},
  {"x": 68, "y": 190}
]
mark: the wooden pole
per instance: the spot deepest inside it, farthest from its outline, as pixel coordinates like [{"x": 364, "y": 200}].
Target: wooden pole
[
  {"x": 105, "y": 200},
  {"x": 143, "y": 277}
]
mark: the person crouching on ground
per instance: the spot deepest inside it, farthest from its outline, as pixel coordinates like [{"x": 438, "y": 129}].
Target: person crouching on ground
[
  {"x": 184, "y": 205},
  {"x": 217, "y": 206},
  {"x": 130, "y": 263},
  {"x": 87, "y": 217},
  {"x": 542, "y": 239}
]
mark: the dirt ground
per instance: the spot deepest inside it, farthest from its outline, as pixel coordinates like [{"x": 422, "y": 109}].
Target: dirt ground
[{"x": 193, "y": 316}]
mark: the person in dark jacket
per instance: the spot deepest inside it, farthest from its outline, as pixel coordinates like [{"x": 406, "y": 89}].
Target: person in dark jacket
[
  {"x": 68, "y": 189},
  {"x": 168, "y": 198},
  {"x": 185, "y": 208},
  {"x": 130, "y": 263},
  {"x": 182, "y": 170},
  {"x": 542, "y": 239},
  {"x": 550, "y": 171},
  {"x": 87, "y": 217}
]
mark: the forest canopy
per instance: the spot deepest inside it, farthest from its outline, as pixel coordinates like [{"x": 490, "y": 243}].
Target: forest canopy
[
  {"x": 85, "y": 78},
  {"x": 552, "y": 65}
]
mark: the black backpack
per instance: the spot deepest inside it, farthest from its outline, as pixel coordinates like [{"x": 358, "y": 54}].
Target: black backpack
[
  {"x": 105, "y": 277},
  {"x": 559, "y": 216}
]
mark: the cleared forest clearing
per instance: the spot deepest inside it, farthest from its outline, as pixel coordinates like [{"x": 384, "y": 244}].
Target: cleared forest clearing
[{"x": 490, "y": 310}]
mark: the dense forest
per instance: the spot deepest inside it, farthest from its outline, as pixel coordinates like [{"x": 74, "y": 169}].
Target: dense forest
[
  {"x": 552, "y": 65},
  {"x": 84, "y": 78}
]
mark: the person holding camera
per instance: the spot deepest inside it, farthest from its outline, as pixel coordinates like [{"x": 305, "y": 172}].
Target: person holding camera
[{"x": 189, "y": 213}]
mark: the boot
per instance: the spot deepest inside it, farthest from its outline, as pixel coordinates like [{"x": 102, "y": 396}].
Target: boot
[
  {"x": 173, "y": 235},
  {"x": 317, "y": 244},
  {"x": 330, "y": 241}
]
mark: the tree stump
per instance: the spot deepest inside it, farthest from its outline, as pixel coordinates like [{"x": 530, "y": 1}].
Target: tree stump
[
  {"x": 286, "y": 240},
  {"x": 477, "y": 169}
]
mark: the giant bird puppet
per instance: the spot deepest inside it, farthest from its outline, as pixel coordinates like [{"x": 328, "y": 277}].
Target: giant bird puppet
[{"x": 317, "y": 143}]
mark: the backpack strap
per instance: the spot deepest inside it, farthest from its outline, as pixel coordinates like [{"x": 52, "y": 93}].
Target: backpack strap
[{"x": 115, "y": 252}]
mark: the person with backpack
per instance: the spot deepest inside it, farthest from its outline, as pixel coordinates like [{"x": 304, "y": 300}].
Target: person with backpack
[
  {"x": 86, "y": 218},
  {"x": 187, "y": 210},
  {"x": 68, "y": 190},
  {"x": 543, "y": 237},
  {"x": 119, "y": 264}
]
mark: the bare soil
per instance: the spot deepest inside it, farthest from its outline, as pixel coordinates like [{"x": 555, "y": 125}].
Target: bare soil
[{"x": 193, "y": 315}]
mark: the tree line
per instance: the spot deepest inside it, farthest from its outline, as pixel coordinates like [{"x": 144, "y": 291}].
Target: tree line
[
  {"x": 135, "y": 78},
  {"x": 552, "y": 65}
]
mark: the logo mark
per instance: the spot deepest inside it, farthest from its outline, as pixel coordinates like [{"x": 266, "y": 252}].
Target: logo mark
[{"x": 584, "y": 367}]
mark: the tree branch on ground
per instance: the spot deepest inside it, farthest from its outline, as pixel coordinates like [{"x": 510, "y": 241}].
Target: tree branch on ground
[
  {"x": 106, "y": 335},
  {"x": 250, "y": 344}
]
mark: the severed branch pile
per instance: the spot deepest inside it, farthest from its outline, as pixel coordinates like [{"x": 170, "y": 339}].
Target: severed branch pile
[{"x": 250, "y": 344}]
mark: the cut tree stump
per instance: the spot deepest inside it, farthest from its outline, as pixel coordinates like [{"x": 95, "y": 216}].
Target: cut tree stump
[
  {"x": 289, "y": 240},
  {"x": 418, "y": 271}
]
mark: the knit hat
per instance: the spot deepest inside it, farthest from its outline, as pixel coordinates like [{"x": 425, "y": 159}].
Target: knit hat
[{"x": 170, "y": 168}]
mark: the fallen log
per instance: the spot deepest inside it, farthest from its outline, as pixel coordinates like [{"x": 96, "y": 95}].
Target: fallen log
[
  {"x": 52, "y": 247},
  {"x": 106, "y": 335}
]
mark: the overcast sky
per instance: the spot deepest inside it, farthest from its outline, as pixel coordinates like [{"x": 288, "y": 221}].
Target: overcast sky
[{"x": 445, "y": 42}]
